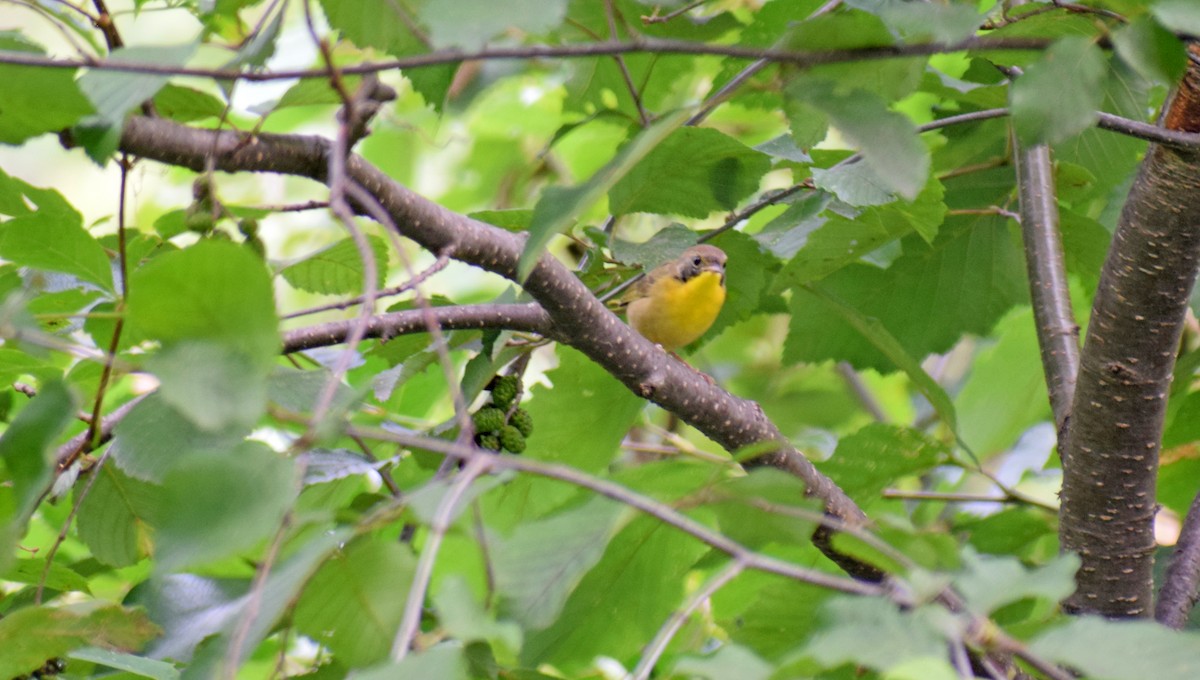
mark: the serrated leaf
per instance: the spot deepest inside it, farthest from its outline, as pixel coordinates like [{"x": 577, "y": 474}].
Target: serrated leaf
[
  {"x": 113, "y": 93},
  {"x": 988, "y": 583},
  {"x": 693, "y": 172},
  {"x": 218, "y": 504},
  {"x": 754, "y": 510},
  {"x": 27, "y": 455},
  {"x": 1121, "y": 650},
  {"x": 558, "y": 208},
  {"x": 929, "y": 296},
  {"x": 1058, "y": 95},
  {"x": 878, "y": 336},
  {"x": 185, "y": 105},
  {"x": 214, "y": 291},
  {"x": 28, "y": 89},
  {"x": 896, "y": 636},
  {"x": 887, "y": 140},
  {"x": 541, "y": 563},
  {"x": 30, "y": 636},
  {"x": 643, "y": 569},
  {"x": 919, "y": 22},
  {"x": 877, "y": 455},
  {"x": 153, "y": 437},
  {"x": 338, "y": 269},
  {"x": 138, "y": 665},
  {"x": 215, "y": 386},
  {"x": 354, "y": 602},
  {"x": 114, "y": 517},
  {"x": 50, "y": 236},
  {"x": 469, "y": 24}
]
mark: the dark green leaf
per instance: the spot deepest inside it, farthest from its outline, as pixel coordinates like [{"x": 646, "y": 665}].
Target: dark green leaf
[
  {"x": 52, "y": 236},
  {"x": 338, "y": 269},
  {"x": 1057, "y": 97},
  {"x": 876, "y": 456},
  {"x": 887, "y": 140},
  {"x": 27, "y": 90},
  {"x": 153, "y": 437},
  {"x": 211, "y": 291},
  {"x": 184, "y": 104},
  {"x": 30, "y": 636},
  {"x": 693, "y": 172},
  {"x": 354, "y": 602},
  {"x": 114, "y": 517},
  {"x": 27, "y": 455},
  {"x": 218, "y": 504},
  {"x": 559, "y": 207}
]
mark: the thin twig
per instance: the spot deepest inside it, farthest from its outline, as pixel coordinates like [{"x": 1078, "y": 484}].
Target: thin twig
[
  {"x": 410, "y": 621},
  {"x": 66, "y": 527},
  {"x": 654, "y": 17},
  {"x": 442, "y": 260},
  {"x": 663, "y": 637},
  {"x": 1179, "y": 591},
  {"x": 610, "y": 15}
]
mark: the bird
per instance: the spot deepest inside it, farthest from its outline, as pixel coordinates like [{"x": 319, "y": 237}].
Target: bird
[{"x": 678, "y": 301}]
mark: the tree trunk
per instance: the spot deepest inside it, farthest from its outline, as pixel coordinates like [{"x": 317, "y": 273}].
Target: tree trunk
[{"x": 1110, "y": 456}]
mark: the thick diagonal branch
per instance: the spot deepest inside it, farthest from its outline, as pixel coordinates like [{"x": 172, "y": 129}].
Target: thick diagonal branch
[{"x": 579, "y": 318}]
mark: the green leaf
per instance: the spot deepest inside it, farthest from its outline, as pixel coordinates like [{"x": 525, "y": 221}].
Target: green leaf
[
  {"x": 30, "y": 636},
  {"x": 138, "y": 665},
  {"x": 1179, "y": 16},
  {"x": 59, "y": 577},
  {"x": 1151, "y": 50},
  {"x": 50, "y": 237},
  {"x": 1121, "y": 650},
  {"x": 470, "y": 24},
  {"x": 643, "y": 570},
  {"x": 542, "y": 562},
  {"x": 877, "y": 455},
  {"x": 185, "y": 104},
  {"x": 834, "y": 240},
  {"x": 215, "y": 386},
  {"x": 1058, "y": 95},
  {"x": 27, "y": 90},
  {"x": 192, "y": 608},
  {"x": 28, "y": 456},
  {"x": 444, "y": 662},
  {"x": 919, "y": 22},
  {"x": 877, "y": 334},
  {"x": 153, "y": 437},
  {"x": 896, "y": 636},
  {"x": 730, "y": 661},
  {"x": 338, "y": 269},
  {"x": 213, "y": 290},
  {"x": 465, "y": 619},
  {"x": 756, "y": 510},
  {"x": 114, "y": 517},
  {"x": 221, "y": 503},
  {"x": 115, "y": 93},
  {"x": 988, "y": 583},
  {"x": 585, "y": 399},
  {"x": 559, "y": 207},
  {"x": 927, "y": 299},
  {"x": 693, "y": 172},
  {"x": 749, "y": 274},
  {"x": 1005, "y": 394},
  {"x": 887, "y": 140},
  {"x": 665, "y": 245},
  {"x": 354, "y": 602}
]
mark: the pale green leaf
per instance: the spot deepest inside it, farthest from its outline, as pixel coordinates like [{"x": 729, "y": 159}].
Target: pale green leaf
[
  {"x": 1121, "y": 650},
  {"x": 338, "y": 269},
  {"x": 1058, "y": 95}
]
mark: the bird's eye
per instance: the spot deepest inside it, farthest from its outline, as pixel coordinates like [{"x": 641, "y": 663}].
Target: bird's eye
[{"x": 697, "y": 261}]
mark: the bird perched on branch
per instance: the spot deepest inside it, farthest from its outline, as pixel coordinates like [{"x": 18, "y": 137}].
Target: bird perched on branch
[{"x": 678, "y": 301}]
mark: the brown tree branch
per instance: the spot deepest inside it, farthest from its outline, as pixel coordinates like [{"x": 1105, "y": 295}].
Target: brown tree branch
[
  {"x": 1057, "y": 331},
  {"x": 1181, "y": 585},
  {"x": 1110, "y": 461},
  {"x": 579, "y": 318},
  {"x": 641, "y": 45}
]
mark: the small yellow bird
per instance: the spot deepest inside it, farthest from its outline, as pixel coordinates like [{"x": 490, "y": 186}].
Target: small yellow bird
[{"x": 678, "y": 301}]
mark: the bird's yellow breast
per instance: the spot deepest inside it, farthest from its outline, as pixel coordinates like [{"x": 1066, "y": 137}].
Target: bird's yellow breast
[{"x": 676, "y": 313}]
